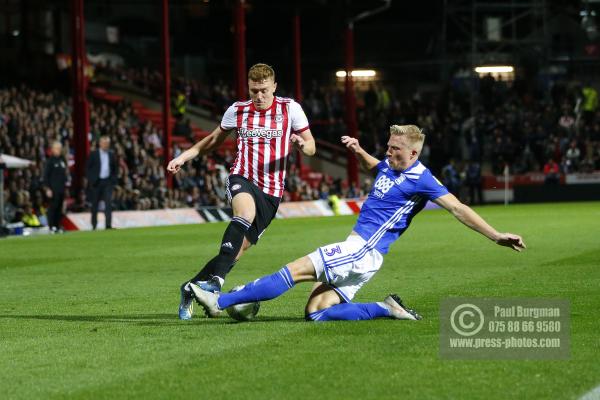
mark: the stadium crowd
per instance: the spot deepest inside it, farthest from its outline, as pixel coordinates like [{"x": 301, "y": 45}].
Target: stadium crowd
[
  {"x": 554, "y": 132},
  {"x": 213, "y": 96},
  {"x": 516, "y": 124},
  {"x": 511, "y": 126},
  {"x": 30, "y": 121}
]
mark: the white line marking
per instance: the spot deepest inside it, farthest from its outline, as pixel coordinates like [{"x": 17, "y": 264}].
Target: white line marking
[{"x": 593, "y": 394}]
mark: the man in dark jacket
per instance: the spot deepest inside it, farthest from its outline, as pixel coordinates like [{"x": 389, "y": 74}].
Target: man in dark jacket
[
  {"x": 55, "y": 180},
  {"x": 102, "y": 171}
]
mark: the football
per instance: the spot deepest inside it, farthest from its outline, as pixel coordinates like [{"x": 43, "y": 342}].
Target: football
[{"x": 244, "y": 311}]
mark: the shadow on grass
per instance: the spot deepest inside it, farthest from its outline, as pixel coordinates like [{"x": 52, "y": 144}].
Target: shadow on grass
[{"x": 149, "y": 319}]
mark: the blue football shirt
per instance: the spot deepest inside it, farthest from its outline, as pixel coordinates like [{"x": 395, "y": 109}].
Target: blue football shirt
[{"x": 396, "y": 197}]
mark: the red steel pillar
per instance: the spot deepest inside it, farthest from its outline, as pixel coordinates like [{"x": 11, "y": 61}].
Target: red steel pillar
[
  {"x": 239, "y": 17},
  {"x": 351, "y": 124},
  {"x": 81, "y": 122},
  {"x": 297, "y": 76},
  {"x": 166, "y": 72}
]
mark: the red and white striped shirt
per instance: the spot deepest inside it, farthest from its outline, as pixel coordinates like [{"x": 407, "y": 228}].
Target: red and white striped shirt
[{"x": 263, "y": 140}]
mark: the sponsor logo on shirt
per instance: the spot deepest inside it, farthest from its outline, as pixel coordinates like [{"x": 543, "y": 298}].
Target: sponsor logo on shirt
[
  {"x": 382, "y": 186},
  {"x": 262, "y": 133}
]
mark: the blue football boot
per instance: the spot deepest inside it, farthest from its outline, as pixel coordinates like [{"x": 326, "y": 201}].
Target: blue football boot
[{"x": 186, "y": 306}]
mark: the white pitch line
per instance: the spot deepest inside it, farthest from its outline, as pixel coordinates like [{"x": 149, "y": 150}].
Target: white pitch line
[{"x": 593, "y": 394}]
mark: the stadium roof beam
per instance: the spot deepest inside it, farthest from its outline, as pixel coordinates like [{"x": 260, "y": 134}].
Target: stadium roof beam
[{"x": 297, "y": 73}]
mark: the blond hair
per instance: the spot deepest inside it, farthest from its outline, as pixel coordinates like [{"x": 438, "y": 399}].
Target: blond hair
[
  {"x": 260, "y": 72},
  {"x": 412, "y": 133}
]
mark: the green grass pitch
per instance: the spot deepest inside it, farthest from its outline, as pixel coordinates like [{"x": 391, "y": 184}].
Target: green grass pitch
[{"x": 94, "y": 315}]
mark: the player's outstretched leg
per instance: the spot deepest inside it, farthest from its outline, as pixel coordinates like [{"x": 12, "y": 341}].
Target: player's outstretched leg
[
  {"x": 243, "y": 203},
  {"x": 265, "y": 288},
  {"x": 231, "y": 243},
  {"x": 390, "y": 307}
]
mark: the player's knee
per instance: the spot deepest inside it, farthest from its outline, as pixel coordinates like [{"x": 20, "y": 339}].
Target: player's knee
[
  {"x": 247, "y": 215},
  {"x": 244, "y": 207},
  {"x": 302, "y": 269}
]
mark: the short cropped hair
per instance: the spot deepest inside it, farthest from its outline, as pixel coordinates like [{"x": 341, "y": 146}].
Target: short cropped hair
[
  {"x": 260, "y": 72},
  {"x": 412, "y": 133}
]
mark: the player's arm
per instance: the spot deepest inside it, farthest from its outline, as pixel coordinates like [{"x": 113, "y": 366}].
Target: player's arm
[
  {"x": 366, "y": 160},
  {"x": 470, "y": 218},
  {"x": 204, "y": 146},
  {"x": 305, "y": 142}
]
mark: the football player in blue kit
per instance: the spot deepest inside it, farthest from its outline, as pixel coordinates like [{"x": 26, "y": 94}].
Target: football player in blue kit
[{"x": 402, "y": 188}]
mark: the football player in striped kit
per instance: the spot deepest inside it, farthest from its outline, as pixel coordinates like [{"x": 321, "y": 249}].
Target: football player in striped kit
[
  {"x": 402, "y": 188},
  {"x": 266, "y": 129}
]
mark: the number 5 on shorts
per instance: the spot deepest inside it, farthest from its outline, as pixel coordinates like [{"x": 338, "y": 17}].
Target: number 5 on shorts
[{"x": 333, "y": 250}]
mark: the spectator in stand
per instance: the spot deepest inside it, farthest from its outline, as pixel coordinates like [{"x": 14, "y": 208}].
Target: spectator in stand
[
  {"x": 573, "y": 155},
  {"x": 180, "y": 105},
  {"x": 324, "y": 191},
  {"x": 590, "y": 103},
  {"x": 30, "y": 219},
  {"x": 551, "y": 172},
  {"x": 473, "y": 181},
  {"x": 371, "y": 101},
  {"x": 56, "y": 176},
  {"x": 10, "y": 210},
  {"x": 450, "y": 177},
  {"x": 183, "y": 128},
  {"x": 567, "y": 122}
]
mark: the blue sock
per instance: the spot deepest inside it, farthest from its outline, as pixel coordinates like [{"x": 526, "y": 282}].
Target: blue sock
[
  {"x": 266, "y": 288},
  {"x": 350, "y": 312}
]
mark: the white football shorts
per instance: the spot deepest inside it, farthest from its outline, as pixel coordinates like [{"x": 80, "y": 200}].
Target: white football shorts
[{"x": 346, "y": 266}]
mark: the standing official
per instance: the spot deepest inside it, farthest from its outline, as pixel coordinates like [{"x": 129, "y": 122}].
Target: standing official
[
  {"x": 55, "y": 180},
  {"x": 102, "y": 171}
]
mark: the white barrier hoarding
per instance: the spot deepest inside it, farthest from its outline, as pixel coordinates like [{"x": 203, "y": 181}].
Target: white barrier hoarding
[{"x": 136, "y": 219}]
